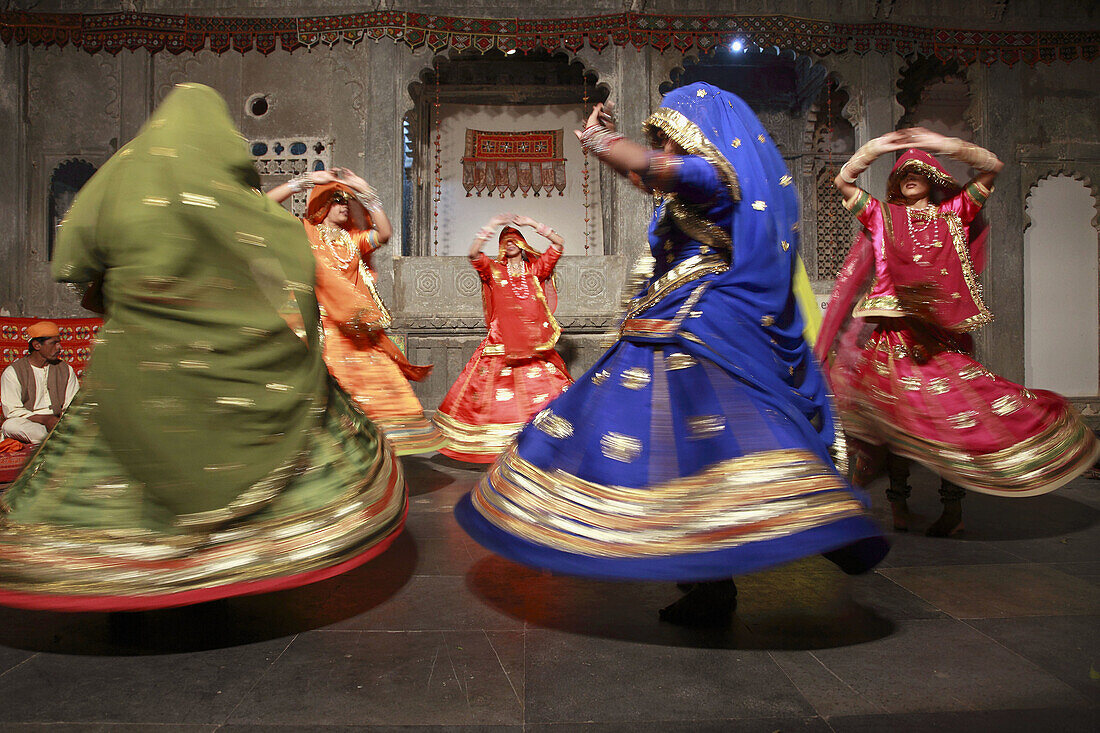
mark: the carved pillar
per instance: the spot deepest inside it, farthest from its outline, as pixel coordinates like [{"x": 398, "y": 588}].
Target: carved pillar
[
  {"x": 386, "y": 102},
  {"x": 1001, "y": 343},
  {"x": 135, "y": 93},
  {"x": 13, "y": 195},
  {"x": 878, "y": 113}
]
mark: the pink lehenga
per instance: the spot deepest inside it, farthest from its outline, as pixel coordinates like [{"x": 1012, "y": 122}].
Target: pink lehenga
[{"x": 899, "y": 361}]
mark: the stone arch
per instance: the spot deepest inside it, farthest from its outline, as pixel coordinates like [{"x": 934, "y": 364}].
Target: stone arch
[
  {"x": 494, "y": 79},
  {"x": 813, "y": 102},
  {"x": 1061, "y": 284}
]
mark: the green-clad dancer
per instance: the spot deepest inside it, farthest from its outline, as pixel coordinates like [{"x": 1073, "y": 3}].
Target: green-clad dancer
[{"x": 208, "y": 453}]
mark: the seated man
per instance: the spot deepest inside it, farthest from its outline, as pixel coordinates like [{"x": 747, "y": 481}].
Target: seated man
[{"x": 36, "y": 389}]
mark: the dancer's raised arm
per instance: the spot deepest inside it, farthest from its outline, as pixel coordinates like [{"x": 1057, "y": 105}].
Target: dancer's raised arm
[
  {"x": 556, "y": 240},
  {"x": 486, "y": 233}
]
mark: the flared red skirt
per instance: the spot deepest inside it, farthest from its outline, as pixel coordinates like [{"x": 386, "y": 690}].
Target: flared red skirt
[
  {"x": 924, "y": 399},
  {"x": 493, "y": 399}
]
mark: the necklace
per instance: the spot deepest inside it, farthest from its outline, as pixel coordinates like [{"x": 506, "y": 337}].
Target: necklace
[
  {"x": 517, "y": 268},
  {"x": 927, "y": 216},
  {"x": 331, "y": 235}
]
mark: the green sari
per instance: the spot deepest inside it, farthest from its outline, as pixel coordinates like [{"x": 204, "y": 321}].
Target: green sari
[{"x": 208, "y": 453}]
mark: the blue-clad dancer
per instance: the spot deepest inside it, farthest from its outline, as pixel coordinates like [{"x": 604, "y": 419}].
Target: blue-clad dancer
[{"x": 697, "y": 447}]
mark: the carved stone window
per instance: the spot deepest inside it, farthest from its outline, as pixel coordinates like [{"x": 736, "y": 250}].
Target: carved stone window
[{"x": 280, "y": 159}]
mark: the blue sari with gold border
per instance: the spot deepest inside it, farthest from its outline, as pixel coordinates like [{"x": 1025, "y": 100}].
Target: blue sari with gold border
[{"x": 696, "y": 448}]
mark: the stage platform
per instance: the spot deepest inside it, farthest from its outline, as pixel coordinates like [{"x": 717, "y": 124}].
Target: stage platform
[{"x": 996, "y": 630}]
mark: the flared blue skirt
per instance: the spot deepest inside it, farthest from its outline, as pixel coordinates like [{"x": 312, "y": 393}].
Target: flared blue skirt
[{"x": 668, "y": 461}]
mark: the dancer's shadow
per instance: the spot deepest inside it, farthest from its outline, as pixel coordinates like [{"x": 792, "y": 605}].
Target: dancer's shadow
[
  {"x": 455, "y": 465},
  {"x": 422, "y": 474},
  {"x": 219, "y": 624},
  {"x": 805, "y": 605},
  {"x": 1069, "y": 510}
]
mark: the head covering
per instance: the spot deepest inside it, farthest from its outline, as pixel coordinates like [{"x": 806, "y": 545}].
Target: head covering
[
  {"x": 842, "y": 334},
  {"x": 918, "y": 161},
  {"x": 207, "y": 281},
  {"x": 719, "y": 127},
  {"x": 320, "y": 201},
  {"x": 517, "y": 236},
  {"x": 549, "y": 286},
  {"x": 43, "y": 329}
]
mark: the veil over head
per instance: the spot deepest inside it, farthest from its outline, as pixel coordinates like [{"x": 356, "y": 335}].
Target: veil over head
[{"x": 320, "y": 201}]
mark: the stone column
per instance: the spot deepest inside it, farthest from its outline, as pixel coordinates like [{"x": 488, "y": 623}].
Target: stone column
[
  {"x": 13, "y": 194},
  {"x": 135, "y": 94}
]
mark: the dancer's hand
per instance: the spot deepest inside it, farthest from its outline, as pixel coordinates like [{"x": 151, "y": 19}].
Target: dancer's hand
[
  {"x": 601, "y": 116},
  {"x": 525, "y": 221},
  {"x": 320, "y": 178},
  {"x": 892, "y": 141},
  {"x": 500, "y": 220},
  {"x": 353, "y": 180},
  {"x": 925, "y": 139}
]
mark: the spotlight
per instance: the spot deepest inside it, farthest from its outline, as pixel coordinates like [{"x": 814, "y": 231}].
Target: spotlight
[
  {"x": 509, "y": 52},
  {"x": 737, "y": 46}
]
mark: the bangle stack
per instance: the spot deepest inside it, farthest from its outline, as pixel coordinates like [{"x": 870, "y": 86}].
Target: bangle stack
[
  {"x": 369, "y": 199},
  {"x": 299, "y": 184},
  {"x": 977, "y": 157},
  {"x": 598, "y": 140}
]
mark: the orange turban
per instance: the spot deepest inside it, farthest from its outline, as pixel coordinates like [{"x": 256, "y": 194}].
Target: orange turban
[{"x": 43, "y": 329}]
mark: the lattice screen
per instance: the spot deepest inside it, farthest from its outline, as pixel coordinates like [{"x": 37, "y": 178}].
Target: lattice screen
[
  {"x": 280, "y": 159},
  {"x": 836, "y": 228}
]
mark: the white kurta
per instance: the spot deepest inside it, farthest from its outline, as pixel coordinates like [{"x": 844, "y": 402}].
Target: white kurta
[{"x": 16, "y": 425}]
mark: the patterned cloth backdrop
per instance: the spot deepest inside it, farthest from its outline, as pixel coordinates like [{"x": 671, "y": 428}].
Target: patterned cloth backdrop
[
  {"x": 507, "y": 161},
  {"x": 77, "y": 337}
]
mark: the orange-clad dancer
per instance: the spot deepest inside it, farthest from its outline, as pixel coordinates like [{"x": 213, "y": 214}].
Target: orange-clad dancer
[
  {"x": 345, "y": 224},
  {"x": 515, "y": 371}
]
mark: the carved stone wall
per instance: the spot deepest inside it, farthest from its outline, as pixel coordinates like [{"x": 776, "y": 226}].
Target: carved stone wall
[{"x": 63, "y": 104}]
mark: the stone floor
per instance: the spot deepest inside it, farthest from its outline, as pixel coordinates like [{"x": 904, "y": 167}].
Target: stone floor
[{"x": 996, "y": 630}]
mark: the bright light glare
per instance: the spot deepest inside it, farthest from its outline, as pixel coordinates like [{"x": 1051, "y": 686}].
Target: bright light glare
[
  {"x": 509, "y": 52},
  {"x": 737, "y": 46}
]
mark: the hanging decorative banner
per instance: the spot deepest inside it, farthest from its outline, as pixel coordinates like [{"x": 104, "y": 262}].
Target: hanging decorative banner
[{"x": 511, "y": 161}]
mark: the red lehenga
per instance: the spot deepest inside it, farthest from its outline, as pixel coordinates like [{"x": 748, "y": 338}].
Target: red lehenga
[
  {"x": 515, "y": 371},
  {"x": 899, "y": 363},
  {"x": 366, "y": 363}
]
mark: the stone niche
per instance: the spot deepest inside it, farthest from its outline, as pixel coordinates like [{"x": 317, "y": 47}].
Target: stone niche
[{"x": 436, "y": 293}]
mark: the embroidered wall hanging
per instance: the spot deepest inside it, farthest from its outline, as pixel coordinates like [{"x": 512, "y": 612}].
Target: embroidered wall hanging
[{"x": 513, "y": 161}]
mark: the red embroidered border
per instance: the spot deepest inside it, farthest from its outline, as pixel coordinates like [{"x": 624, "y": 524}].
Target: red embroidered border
[{"x": 113, "y": 32}]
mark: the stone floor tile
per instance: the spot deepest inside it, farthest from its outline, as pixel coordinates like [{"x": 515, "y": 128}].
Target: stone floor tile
[
  {"x": 827, "y": 693},
  {"x": 977, "y": 591},
  {"x": 384, "y": 678},
  {"x": 913, "y": 549},
  {"x": 1066, "y": 646},
  {"x": 810, "y": 604},
  {"x": 11, "y": 658},
  {"x": 576, "y": 679},
  {"x": 195, "y": 688},
  {"x": 938, "y": 665},
  {"x": 740, "y": 725},
  {"x": 1063, "y": 720},
  {"x": 432, "y": 603}
]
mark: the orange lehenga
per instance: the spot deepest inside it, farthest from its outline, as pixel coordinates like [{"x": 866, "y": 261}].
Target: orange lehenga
[
  {"x": 515, "y": 371},
  {"x": 366, "y": 363}
]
